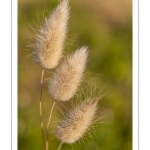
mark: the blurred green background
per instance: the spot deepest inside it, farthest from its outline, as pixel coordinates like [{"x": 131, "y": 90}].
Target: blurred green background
[{"x": 105, "y": 26}]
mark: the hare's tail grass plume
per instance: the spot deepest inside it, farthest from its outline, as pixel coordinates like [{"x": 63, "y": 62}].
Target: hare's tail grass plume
[
  {"x": 67, "y": 77},
  {"x": 50, "y": 40},
  {"x": 63, "y": 85},
  {"x": 77, "y": 121},
  {"x": 47, "y": 50}
]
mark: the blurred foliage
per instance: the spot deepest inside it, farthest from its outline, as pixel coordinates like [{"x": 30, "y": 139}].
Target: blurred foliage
[{"x": 106, "y": 28}]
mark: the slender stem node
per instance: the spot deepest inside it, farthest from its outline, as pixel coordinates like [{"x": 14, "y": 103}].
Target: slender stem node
[
  {"x": 41, "y": 114},
  {"x": 50, "y": 116}
]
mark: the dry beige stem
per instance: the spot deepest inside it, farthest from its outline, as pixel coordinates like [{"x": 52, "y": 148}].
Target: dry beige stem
[
  {"x": 48, "y": 48},
  {"x": 77, "y": 121},
  {"x": 68, "y": 75}
]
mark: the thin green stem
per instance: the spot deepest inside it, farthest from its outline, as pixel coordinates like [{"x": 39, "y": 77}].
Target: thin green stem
[
  {"x": 60, "y": 145},
  {"x": 50, "y": 116},
  {"x": 41, "y": 114}
]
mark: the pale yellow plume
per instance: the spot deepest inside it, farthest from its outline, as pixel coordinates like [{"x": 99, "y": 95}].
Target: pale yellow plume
[
  {"x": 49, "y": 45},
  {"x": 77, "y": 121},
  {"x": 68, "y": 75}
]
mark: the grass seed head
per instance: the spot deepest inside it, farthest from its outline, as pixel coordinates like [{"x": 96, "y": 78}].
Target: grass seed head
[
  {"x": 77, "y": 121},
  {"x": 50, "y": 40},
  {"x": 68, "y": 75}
]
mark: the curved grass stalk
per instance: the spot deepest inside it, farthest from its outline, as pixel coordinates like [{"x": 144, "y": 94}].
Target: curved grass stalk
[
  {"x": 50, "y": 116},
  {"x": 41, "y": 113},
  {"x": 60, "y": 145}
]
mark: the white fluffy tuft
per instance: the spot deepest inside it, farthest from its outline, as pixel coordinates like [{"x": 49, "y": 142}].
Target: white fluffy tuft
[
  {"x": 76, "y": 122},
  {"x": 68, "y": 75},
  {"x": 48, "y": 48}
]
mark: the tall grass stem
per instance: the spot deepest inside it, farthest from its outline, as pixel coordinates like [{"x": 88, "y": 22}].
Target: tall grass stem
[
  {"x": 60, "y": 145},
  {"x": 41, "y": 113},
  {"x": 50, "y": 116}
]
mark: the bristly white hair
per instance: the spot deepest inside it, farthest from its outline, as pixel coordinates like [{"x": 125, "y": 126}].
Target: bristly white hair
[
  {"x": 50, "y": 40},
  {"x": 67, "y": 77}
]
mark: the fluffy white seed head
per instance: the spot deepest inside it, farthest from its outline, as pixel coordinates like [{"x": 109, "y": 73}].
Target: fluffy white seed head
[
  {"x": 50, "y": 40},
  {"x": 77, "y": 121},
  {"x": 68, "y": 75}
]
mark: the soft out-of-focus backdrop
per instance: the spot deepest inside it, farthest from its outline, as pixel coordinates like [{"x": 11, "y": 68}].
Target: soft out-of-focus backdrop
[{"x": 106, "y": 27}]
